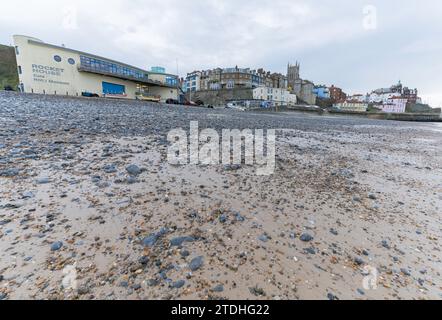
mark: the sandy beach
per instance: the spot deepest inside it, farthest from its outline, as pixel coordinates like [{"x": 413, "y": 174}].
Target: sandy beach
[{"x": 91, "y": 209}]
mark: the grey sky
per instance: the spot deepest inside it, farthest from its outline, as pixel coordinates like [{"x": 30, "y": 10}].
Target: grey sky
[{"x": 327, "y": 37}]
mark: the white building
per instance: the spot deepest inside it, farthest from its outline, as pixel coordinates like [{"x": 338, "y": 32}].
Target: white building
[
  {"x": 358, "y": 98},
  {"x": 395, "y": 105},
  {"x": 352, "y": 106},
  {"x": 192, "y": 82},
  {"x": 377, "y": 97},
  {"x": 48, "y": 69},
  {"x": 277, "y": 96}
]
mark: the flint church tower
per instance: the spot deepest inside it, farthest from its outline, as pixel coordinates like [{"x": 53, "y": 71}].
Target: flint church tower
[{"x": 292, "y": 74}]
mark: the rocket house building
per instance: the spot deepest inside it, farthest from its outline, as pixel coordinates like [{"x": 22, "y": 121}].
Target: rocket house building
[{"x": 48, "y": 69}]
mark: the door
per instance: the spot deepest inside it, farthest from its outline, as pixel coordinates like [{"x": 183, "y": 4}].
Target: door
[{"x": 112, "y": 88}]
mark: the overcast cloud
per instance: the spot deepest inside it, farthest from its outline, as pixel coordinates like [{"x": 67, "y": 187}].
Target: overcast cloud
[{"x": 327, "y": 37}]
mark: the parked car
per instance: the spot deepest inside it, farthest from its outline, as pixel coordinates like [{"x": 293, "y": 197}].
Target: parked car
[
  {"x": 9, "y": 88},
  {"x": 148, "y": 98},
  {"x": 232, "y": 105},
  {"x": 90, "y": 95},
  {"x": 190, "y": 103},
  {"x": 201, "y": 103},
  {"x": 172, "y": 101}
]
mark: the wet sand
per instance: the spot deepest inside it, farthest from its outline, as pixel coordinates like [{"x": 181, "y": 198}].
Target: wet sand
[{"x": 348, "y": 196}]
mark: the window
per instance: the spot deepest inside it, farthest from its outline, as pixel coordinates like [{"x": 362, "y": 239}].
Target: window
[
  {"x": 57, "y": 58},
  {"x": 16, "y": 51},
  {"x": 71, "y": 61},
  {"x": 113, "y": 88},
  {"x": 19, "y": 70},
  {"x": 109, "y": 67}
]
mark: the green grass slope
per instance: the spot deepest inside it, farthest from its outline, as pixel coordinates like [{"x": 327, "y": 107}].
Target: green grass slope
[{"x": 8, "y": 67}]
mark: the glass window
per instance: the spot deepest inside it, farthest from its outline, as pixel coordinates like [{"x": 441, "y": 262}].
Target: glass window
[
  {"x": 57, "y": 58},
  {"x": 19, "y": 70},
  {"x": 71, "y": 61}
]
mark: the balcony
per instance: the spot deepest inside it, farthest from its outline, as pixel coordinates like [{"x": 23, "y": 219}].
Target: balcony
[{"x": 144, "y": 80}]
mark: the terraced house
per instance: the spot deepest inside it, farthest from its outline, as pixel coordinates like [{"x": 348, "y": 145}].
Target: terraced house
[{"x": 233, "y": 78}]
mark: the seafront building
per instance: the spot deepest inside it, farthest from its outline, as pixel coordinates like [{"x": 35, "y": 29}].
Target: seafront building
[
  {"x": 275, "y": 96},
  {"x": 351, "y": 106},
  {"x": 49, "y": 69},
  {"x": 233, "y": 78},
  {"x": 221, "y": 85},
  {"x": 395, "y": 105},
  {"x": 337, "y": 94},
  {"x": 322, "y": 92},
  {"x": 394, "y": 99},
  {"x": 301, "y": 87},
  {"x": 384, "y": 95}
]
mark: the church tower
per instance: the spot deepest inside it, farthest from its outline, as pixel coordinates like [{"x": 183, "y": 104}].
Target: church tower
[{"x": 292, "y": 74}]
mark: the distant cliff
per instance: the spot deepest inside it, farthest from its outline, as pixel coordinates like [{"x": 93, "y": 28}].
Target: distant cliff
[
  {"x": 421, "y": 108},
  {"x": 8, "y": 67}
]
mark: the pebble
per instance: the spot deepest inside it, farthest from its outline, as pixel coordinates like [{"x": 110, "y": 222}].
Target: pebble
[
  {"x": 218, "y": 288},
  {"x": 44, "y": 180},
  {"x": 83, "y": 290},
  {"x": 178, "y": 284},
  {"x": 232, "y": 167},
  {"x": 131, "y": 180},
  {"x": 176, "y": 242},
  {"x": 152, "y": 282},
  {"x": 310, "y": 250},
  {"x": 372, "y": 196},
  {"x": 332, "y": 297},
  {"x": 56, "y": 246},
  {"x": 9, "y": 173},
  {"x": 110, "y": 168},
  {"x": 27, "y": 195},
  {"x": 143, "y": 260},
  {"x": 196, "y": 263},
  {"x": 385, "y": 244},
  {"x": 5, "y": 222},
  {"x": 184, "y": 253},
  {"x": 133, "y": 170},
  {"x": 361, "y": 292},
  {"x": 359, "y": 261},
  {"x": 150, "y": 241},
  {"x": 406, "y": 272},
  {"x": 306, "y": 237},
  {"x": 136, "y": 287}
]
